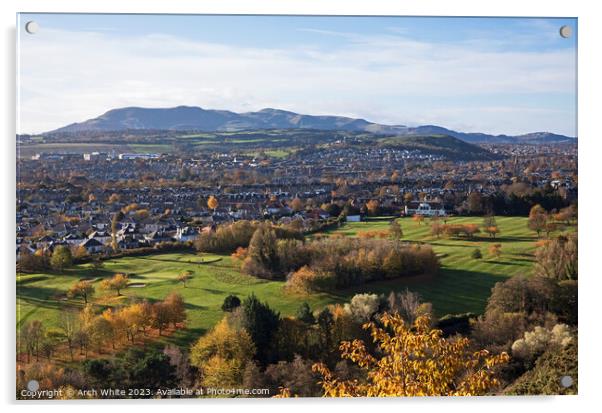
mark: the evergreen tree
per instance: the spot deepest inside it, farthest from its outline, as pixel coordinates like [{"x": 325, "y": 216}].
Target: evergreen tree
[
  {"x": 304, "y": 314},
  {"x": 261, "y": 322}
]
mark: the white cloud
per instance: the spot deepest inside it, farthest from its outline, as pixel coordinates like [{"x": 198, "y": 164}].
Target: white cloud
[{"x": 67, "y": 77}]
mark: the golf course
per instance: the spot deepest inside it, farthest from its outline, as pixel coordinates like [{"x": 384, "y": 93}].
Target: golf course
[{"x": 463, "y": 283}]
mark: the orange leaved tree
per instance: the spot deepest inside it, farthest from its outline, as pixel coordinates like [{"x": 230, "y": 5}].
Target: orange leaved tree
[{"x": 413, "y": 361}]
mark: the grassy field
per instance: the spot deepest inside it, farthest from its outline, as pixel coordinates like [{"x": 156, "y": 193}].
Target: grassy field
[
  {"x": 463, "y": 283},
  {"x": 42, "y": 296}
]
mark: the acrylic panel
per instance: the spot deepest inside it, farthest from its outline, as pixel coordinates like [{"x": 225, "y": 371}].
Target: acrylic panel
[{"x": 280, "y": 206}]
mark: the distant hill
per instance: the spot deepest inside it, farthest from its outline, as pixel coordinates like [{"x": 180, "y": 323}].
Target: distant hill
[
  {"x": 445, "y": 145},
  {"x": 189, "y": 118}
]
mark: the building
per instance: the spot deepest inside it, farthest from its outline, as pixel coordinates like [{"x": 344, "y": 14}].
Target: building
[
  {"x": 428, "y": 209},
  {"x": 146, "y": 156}
]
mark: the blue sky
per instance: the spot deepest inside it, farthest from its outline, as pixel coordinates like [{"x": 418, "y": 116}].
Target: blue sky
[{"x": 496, "y": 75}]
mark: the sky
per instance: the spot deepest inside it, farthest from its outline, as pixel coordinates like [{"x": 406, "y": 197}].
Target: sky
[{"x": 491, "y": 75}]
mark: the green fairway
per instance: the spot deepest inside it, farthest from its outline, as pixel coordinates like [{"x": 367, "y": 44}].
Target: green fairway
[
  {"x": 42, "y": 296},
  {"x": 463, "y": 284}
]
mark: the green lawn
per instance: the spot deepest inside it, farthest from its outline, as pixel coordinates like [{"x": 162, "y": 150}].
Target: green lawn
[
  {"x": 463, "y": 283},
  {"x": 42, "y": 296}
]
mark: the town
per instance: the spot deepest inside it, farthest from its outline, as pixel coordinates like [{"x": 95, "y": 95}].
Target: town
[{"x": 72, "y": 198}]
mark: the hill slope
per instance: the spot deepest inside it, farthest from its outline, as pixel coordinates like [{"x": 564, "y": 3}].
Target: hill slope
[
  {"x": 448, "y": 146},
  {"x": 189, "y": 118}
]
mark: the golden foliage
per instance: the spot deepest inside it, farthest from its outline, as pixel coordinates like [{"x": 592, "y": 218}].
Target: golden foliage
[
  {"x": 415, "y": 361},
  {"x": 212, "y": 202}
]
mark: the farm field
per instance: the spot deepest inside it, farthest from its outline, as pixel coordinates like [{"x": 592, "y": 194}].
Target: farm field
[{"x": 462, "y": 285}]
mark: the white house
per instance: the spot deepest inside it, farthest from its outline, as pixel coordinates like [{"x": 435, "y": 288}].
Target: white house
[
  {"x": 186, "y": 234},
  {"x": 429, "y": 209}
]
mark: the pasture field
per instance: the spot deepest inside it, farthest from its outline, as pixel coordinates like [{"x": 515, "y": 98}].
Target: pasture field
[{"x": 462, "y": 285}]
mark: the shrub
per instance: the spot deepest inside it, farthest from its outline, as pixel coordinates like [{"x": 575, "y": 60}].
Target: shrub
[{"x": 230, "y": 303}]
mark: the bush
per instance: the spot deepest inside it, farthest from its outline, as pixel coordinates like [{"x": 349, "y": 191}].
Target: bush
[
  {"x": 230, "y": 303},
  {"x": 476, "y": 254}
]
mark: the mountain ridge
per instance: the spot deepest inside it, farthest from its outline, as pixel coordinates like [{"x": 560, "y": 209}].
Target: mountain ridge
[{"x": 194, "y": 118}]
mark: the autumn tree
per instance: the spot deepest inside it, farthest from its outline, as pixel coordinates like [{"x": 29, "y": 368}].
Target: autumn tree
[
  {"x": 538, "y": 217},
  {"x": 475, "y": 203},
  {"x": 83, "y": 289},
  {"x": 161, "y": 316},
  {"x": 395, "y": 231},
  {"x": 30, "y": 336},
  {"x": 68, "y": 325},
  {"x": 413, "y": 361},
  {"x": 373, "y": 207},
  {"x": 212, "y": 203},
  {"x": 184, "y": 277},
  {"x": 495, "y": 250},
  {"x": 221, "y": 355},
  {"x": 557, "y": 258},
  {"x": 297, "y": 204},
  {"x": 262, "y": 256},
  {"x": 437, "y": 229},
  {"x": 117, "y": 283},
  {"x": 114, "y": 198},
  {"x": 417, "y": 218},
  {"x": 176, "y": 308},
  {"x": 61, "y": 258},
  {"x": 490, "y": 226}
]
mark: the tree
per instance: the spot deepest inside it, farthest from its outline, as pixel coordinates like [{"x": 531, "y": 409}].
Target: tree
[
  {"x": 30, "y": 337},
  {"x": 437, "y": 229},
  {"x": 212, "y": 203},
  {"x": 304, "y": 314},
  {"x": 61, "y": 258},
  {"x": 68, "y": 325},
  {"x": 538, "y": 217},
  {"x": 184, "y": 276},
  {"x": 429, "y": 364},
  {"x": 557, "y": 258},
  {"x": 395, "y": 231},
  {"x": 117, "y": 283},
  {"x": 221, "y": 355},
  {"x": 373, "y": 207},
  {"x": 495, "y": 250},
  {"x": 161, "y": 316},
  {"x": 151, "y": 370},
  {"x": 176, "y": 308},
  {"x": 363, "y": 306},
  {"x": 297, "y": 204},
  {"x": 419, "y": 219},
  {"x": 476, "y": 254},
  {"x": 261, "y": 322},
  {"x": 231, "y": 302},
  {"x": 475, "y": 202},
  {"x": 84, "y": 289},
  {"x": 262, "y": 256}
]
